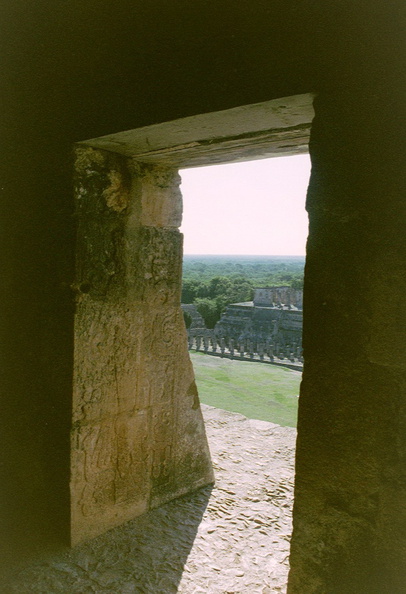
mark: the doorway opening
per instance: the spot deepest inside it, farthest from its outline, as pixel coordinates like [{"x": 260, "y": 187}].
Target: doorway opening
[
  {"x": 144, "y": 405},
  {"x": 245, "y": 231}
]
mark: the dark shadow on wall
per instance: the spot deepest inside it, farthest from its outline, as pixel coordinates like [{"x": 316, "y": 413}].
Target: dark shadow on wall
[{"x": 147, "y": 554}]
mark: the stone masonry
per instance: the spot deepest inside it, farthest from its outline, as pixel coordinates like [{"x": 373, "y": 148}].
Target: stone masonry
[
  {"x": 138, "y": 437},
  {"x": 276, "y": 325},
  {"x": 278, "y": 296}
]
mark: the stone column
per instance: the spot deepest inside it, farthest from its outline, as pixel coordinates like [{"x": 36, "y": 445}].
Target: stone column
[{"x": 138, "y": 437}]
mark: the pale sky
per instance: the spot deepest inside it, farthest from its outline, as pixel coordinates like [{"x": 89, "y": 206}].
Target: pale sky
[{"x": 250, "y": 208}]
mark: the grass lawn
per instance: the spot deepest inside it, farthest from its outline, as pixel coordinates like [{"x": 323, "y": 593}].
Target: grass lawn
[{"x": 256, "y": 390}]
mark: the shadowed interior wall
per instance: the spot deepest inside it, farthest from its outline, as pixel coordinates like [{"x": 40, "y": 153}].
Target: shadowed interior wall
[
  {"x": 79, "y": 70},
  {"x": 349, "y": 514}
]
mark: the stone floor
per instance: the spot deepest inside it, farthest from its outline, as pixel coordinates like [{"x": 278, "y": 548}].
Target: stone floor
[{"x": 230, "y": 539}]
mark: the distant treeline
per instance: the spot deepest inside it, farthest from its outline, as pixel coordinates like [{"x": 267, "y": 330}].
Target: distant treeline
[{"x": 213, "y": 282}]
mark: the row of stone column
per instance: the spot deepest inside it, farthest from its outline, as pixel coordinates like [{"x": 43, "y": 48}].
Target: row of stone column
[{"x": 246, "y": 348}]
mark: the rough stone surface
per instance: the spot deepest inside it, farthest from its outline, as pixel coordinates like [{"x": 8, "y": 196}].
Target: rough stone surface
[
  {"x": 277, "y": 296},
  {"x": 137, "y": 435},
  {"x": 161, "y": 196},
  {"x": 233, "y": 539},
  {"x": 350, "y": 488}
]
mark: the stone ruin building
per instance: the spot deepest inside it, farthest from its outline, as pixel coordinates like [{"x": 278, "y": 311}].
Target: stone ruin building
[
  {"x": 196, "y": 320},
  {"x": 100, "y": 414},
  {"x": 271, "y": 323},
  {"x": 275, "y": 315},
  {"x": 274, "y": 324}
]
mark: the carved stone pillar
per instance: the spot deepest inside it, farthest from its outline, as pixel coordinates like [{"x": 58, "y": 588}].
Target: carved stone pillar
[{"x": 138, "y": 436}]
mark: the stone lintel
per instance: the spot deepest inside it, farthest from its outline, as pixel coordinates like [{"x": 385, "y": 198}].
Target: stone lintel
[{"x": 272, "y": 128}]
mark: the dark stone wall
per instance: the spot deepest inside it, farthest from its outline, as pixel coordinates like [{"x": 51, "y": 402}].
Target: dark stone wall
[
  {"x": 349, "y": 520},
  {"x": 77, "y": 70}
]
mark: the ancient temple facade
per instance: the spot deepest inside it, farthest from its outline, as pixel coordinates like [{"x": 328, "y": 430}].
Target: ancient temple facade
[{"x": 273, "y": 325}]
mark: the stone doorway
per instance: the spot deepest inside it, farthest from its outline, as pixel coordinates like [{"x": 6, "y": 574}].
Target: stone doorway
[
  {"x": 246, "y": 528},
  {"x": 138, "y": 437}
]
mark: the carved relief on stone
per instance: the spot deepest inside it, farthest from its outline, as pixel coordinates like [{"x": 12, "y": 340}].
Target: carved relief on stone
[
  {"x": 103, "y": 188},
  {"x": 93, "y": 475},
  {"x": 162, "y": 463},
  {"x": 106, "y": 360},
  {"x": 161, "y": 333},
  {"x": 115, "y": 463},
  {"x": 154, "y": 265},
  {"x": 161, "y": 202},
  {"x": 133, "y": 458}
]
